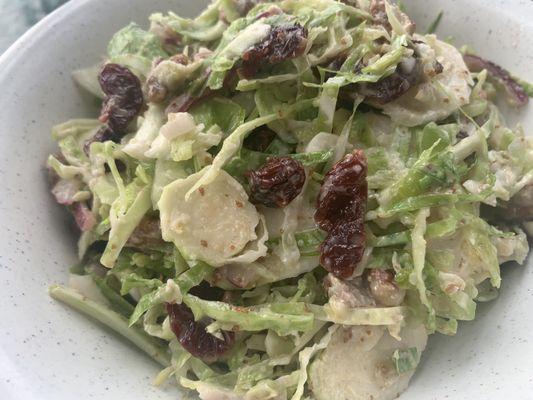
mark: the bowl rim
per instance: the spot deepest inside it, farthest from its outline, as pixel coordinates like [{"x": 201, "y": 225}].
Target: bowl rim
[{"x": 18, "y": 48}]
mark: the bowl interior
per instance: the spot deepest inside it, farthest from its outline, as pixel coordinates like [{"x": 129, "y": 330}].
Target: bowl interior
[{"x": 50, "y": 352}]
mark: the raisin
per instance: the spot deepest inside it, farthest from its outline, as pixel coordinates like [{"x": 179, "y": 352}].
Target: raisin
[
  {"x": 207, "y": 292},
  {"x": 124, "y": 97},
  {"x": 407, "y": 74},
  {"x": 193, "y": 337},
  {"x": 277, "y": 182},
  {"x": 340, "y": 212},
  {"x": 282, "y": 43},
  {"x": 343, "y": 248},
  {"x": 102, "y": 135},
  {"x": 344, "y": 192}
]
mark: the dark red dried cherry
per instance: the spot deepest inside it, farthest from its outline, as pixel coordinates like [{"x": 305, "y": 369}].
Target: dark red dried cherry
[
  {"x": 340, "y": 211},
  {"x": 343, "y": 248},
  {"x": 277, "y": 182},
  {"x": 194, "y": 338},
  {"x": 344, "y": 191},
  {"x": 393, "y": 86},
  {"x": 282, "y": 43}
]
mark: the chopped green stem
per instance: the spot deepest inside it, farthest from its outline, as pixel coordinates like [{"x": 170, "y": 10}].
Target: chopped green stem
[
  {"x": 435, "y": 24},
  {"x": 359, "y": 316},
  {"x": 112, "y": 320},
  {"x": 434, "y": 230},
  {"x": 118, "y": 303}
]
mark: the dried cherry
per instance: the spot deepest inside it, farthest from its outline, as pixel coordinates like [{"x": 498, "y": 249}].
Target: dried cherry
[
  {"x": 343, "y": 248},
  {"x": 277, "y": 182},
  {"x": 393, "y": 86},
  {"x": 194, "y": 338},
  {"x": 340, "y": 212},
  {"x": 344, "y": 192},
  {"x": 282, "y": 43}
]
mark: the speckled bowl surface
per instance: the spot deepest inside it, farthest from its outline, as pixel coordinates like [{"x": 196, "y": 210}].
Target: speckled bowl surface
[{"x": 48, "y": 352}]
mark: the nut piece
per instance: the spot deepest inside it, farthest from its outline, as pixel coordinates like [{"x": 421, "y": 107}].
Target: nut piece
[
  {"x": 349, "y": 294},
  {"x": 156, "y": 92},
  {"x": 384, "y": 289}
]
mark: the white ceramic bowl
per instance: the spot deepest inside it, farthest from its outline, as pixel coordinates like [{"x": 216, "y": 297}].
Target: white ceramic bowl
[{"x": 50, "y": 352}]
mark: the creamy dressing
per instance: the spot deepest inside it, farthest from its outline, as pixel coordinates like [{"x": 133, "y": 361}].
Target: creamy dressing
[{"x": 247, "y": 38}]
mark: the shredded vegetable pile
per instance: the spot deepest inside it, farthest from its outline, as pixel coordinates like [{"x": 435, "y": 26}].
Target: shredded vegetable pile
[{"x": 283, "y": 199}]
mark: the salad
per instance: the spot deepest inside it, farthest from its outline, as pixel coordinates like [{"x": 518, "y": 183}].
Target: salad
[{"x": 283, "y": 199}]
